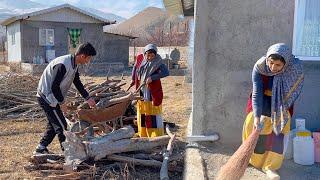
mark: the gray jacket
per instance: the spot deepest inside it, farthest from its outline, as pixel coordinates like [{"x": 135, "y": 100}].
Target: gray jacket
[{"x": 44, "y": 87}]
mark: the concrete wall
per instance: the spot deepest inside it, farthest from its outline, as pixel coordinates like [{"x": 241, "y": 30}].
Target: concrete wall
[
  {"x": 14, "y": 48},
  {"x": 110, "y": 48},
  {"x": 229, "y": 38},
  {"x": 308, "y": 104}
]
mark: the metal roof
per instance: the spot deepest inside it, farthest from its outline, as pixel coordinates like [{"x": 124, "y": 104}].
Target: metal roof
[
  {"x": 119, "y": 34},
  {"x": 44, "y": 11}
]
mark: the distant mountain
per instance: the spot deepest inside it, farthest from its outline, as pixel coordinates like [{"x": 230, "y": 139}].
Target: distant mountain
[
  {"x": 154, "y": 25},
  {"x": 139, "y": 23}
]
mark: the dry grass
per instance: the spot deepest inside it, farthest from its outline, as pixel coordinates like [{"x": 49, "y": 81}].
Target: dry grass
[
  {"x": 4, "y": 68},
  {"x": 18, "y": 139}
]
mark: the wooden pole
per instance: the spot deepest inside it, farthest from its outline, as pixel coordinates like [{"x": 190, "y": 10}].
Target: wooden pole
[{"x": 166, "y": 155}]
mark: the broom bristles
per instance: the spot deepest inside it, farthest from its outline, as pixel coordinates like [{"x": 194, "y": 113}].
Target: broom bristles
[{"x": 238, "y": 162}]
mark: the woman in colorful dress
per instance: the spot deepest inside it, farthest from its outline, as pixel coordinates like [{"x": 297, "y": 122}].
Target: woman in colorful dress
[
  {"x": 149, "y": 109},
  {"x": 277, "y": 82}
]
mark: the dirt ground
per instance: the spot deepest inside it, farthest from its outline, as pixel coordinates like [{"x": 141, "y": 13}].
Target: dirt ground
[{"x": 18, "y": 138}]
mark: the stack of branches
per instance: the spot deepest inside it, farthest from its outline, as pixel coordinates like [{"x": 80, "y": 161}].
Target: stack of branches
[
  {"x": 18, "y": 96},
  {"x": 111, "y": 156},
  {"x": 105, "y": 94},
  {"x": 101, "y": 93}
]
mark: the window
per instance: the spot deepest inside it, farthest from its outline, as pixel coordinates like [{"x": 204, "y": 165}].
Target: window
[
  {"x": 46, "y": 37},
  {"x": 306, "y": 38}
]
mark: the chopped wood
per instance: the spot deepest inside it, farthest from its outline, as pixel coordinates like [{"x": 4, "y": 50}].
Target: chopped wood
[
  {"x": 34, "y": 167},
  {"x": 65, "y": 176},
  {"x": 117, "y": 141},
  {"x": 119, "y": 85},
  {"x": 103, "y": 103},
  {"x": 109, "y": 94},
  {"x": 17, "y": 98},
  {"x": 134, "y": 161},
  {"x": 42, "y": 158},
  {"x": 21, "y": 107},
  {"x": 96, "y": 91}
]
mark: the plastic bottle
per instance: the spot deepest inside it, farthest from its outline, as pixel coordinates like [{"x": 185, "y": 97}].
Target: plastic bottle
[{"x": 303, "y": 148}]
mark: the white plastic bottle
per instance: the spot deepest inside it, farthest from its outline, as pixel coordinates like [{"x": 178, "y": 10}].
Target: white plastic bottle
[{"x": 303, "y": 148}]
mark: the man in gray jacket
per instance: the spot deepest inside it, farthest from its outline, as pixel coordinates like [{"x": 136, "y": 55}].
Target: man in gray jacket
[{"x": 53, "y": 86}]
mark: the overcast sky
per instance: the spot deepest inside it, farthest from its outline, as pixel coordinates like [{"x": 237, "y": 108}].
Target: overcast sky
[{"x": 124, "y": 8}]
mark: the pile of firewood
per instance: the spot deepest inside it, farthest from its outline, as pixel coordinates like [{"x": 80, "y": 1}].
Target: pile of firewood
[
  {"x": 18, "y": 96},
  {"x": 97, "y": 157},
  {"x": 102, "y": 94}
]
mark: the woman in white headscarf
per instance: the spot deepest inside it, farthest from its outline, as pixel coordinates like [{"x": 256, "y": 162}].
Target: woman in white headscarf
[
  {"x": 277, "y": 82},
  {"x": 149, "y": 109}
]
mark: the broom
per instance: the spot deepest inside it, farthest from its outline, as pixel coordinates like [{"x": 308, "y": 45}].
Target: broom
[{"x": 238, "y": 162}]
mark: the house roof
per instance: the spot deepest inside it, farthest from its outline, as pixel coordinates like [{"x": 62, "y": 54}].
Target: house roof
[
  {"x": 119, "y": 34},
  {"x": 180, "y": 7},
  {"x": 52, "y": 9}
]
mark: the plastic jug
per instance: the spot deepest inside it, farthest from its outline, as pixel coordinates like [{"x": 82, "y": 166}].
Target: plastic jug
[
  {"x": 316, "y": 139},
  {"x": 303, "y": 148},
  {"x": 289, "y": 150}
]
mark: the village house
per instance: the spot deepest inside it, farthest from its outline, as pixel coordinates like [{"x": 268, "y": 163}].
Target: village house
[{"x": 35, "y": 38}]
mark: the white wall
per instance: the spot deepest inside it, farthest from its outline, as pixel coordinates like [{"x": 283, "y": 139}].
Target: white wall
[{"x": 14, "y": 50}]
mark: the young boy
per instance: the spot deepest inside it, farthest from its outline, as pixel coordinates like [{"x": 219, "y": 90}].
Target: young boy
[{"x": 53, "y": 86}]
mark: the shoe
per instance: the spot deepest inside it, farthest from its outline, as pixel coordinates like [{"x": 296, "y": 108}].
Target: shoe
[
  {"x": 272, "y": 175},
  {"x": 41, "y": 151}
]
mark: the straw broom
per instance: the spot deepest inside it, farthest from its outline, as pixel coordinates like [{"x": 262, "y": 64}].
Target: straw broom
[{"x": 238, "y": 162}]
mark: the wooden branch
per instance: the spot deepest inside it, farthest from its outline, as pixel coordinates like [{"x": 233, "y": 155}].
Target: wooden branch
[
  {"x": 104, "y": 148},
  {"x": 17, "y": 98},
  {"x": 105, "y": 82},
  {"x": 96, "y": 91},
  {"x": 65, "y": 176},
  {"x": 90, "y": 88},
  {"x": 134, "y": 161},
  {"x": 103, "y": 103},
  {"x": 109, "y": 94},
  {"x": 119, "y": 85},
  {"x": 34, "y": 167},
  {"x": 25, "y": 106},
  {"x": 131, "y": 85},
  {"x": 166, "y": 155},
  {"x": 42, "y": 158},
  {"x": 115, "y": 142}
]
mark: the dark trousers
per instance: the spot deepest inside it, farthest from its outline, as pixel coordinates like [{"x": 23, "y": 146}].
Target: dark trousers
[{"x": 56, "y": 123}]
